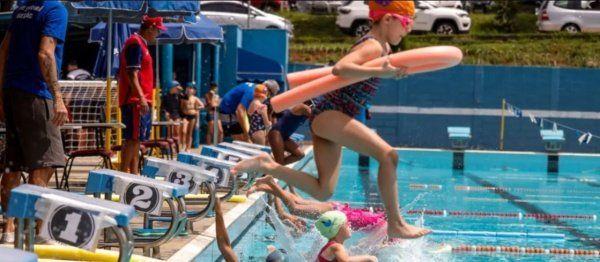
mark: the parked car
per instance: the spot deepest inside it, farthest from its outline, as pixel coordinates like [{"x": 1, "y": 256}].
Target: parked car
[
  {"x": 570, "y": 16},
  {"x": 268, "y": 5},
  {"x": 231, "y": 12},
  {"x": 354, "y": 19},
  {"x": 310, "y": 6},
  {"x": 445, "y": 3}
]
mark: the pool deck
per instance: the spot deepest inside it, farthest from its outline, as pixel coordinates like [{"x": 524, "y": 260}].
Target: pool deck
[{"x": 181, "y": 248}]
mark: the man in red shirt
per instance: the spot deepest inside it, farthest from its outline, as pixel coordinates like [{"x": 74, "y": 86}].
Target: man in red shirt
[{"x": 136, "y": 83}]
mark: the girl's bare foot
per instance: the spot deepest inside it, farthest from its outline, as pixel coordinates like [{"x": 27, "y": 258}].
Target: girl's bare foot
[
  {"x": 259, "y": 164},
  {"x": 406, "y": 231}
]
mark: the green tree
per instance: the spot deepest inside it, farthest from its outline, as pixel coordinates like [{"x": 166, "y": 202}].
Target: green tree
[{"x": 506, "y": 15}]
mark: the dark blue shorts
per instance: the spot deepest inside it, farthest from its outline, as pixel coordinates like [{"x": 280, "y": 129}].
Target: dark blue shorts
[{"x": 137, "y": 126}]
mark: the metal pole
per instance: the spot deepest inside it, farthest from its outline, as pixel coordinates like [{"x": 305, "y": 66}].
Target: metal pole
[
  {"x": 109, "y": 54},
  {"x": 502, "y": 125},
  {"x": 248, "y": 19}
]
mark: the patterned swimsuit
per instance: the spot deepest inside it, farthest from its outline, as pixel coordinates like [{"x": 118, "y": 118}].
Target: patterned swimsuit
[
  {"x": 257, "y": 122},
  {"x": 350, "y": 99}
]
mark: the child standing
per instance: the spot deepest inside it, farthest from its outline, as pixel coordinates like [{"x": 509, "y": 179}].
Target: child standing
[
  {"x": 190, "y": 108},
  {"x": 258, "y": 116}
]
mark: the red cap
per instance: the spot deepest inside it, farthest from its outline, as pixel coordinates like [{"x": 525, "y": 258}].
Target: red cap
[{"x": 154, "y": 21}]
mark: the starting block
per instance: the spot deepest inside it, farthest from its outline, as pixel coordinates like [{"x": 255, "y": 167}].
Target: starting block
[
  {"x": 459, "y": 137},
  {"x": 146, "y": 196},
  {"x": 265, "y": 149},
  {"x": 186, "y": 175},
  {"x": 69, "y": 218},
  {"x": 242, "y": 149},
  {"x": 217, "y": 167}
]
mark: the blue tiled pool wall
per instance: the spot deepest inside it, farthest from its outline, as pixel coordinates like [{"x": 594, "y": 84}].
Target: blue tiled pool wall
[{"x": 484, "y": 87}]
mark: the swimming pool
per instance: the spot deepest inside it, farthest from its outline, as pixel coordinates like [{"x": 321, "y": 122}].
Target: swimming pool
[{"x": 499, "y": 200}]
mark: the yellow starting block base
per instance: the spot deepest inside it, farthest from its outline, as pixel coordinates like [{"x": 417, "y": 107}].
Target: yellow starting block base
[{"x": 56, "y": 252}]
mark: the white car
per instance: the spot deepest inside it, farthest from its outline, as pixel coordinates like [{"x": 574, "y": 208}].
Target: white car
[
  {"x": 446, "y": 3},
  {"x": 570, "y": 16},
  {"x": 354, "y": 19},
  {"x": 308, "y": 6},
  {"x": 237, "y": 13}
]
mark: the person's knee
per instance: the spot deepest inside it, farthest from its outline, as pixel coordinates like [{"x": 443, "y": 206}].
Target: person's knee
[
  {"x": 389, "y": 157},
  {"x": 324, "y": 194}
]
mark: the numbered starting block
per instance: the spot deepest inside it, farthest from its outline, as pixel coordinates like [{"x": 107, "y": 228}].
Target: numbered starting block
[
  {"x": 187, "y": 175},
  {"x": 241, "y": 148},
  {"x": 266, "y": 149},
  {"x": 146, "y": 196},
  {"x": 217, "y": 167},
  {"x": 17, "y": 255},
  {"x": 69, "y": 218},
  {"x": 231, "y": 156}
]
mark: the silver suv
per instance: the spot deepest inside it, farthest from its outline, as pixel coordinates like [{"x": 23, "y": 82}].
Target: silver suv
[{"x": 570, "y": 16}]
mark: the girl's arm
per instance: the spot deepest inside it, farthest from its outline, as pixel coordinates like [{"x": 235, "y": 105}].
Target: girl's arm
[
  {"x": 265, "y": 116},
  {"x": 341, "y": 255},
  {"x": 351, "y": 65}
]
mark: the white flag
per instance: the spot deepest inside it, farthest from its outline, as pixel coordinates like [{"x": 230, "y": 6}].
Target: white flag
[
  {"x": 554, "y": 127},
  {"x": 582, "y": 138},
  {"x": 532, "y": 118},
  {"x": 589, "y": 138}
]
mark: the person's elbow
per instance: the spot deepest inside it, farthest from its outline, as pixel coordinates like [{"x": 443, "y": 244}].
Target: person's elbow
[
  {"x": 45, "y": 55},
  {"x": 338, "y": 69}
]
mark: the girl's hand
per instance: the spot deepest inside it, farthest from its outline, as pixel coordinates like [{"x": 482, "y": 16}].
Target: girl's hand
[{"x": 390, "y": 71}]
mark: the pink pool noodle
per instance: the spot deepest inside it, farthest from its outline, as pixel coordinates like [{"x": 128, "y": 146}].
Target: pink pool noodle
[{"x": 419, "y": 60}]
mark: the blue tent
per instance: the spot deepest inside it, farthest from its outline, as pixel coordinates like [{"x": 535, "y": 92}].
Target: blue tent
[
  {"x": 254, "y": 67},
  {"x": 203, "y": 30},
  {"x": 120, "y": 34},
  {"x": 129, "y": 11}
]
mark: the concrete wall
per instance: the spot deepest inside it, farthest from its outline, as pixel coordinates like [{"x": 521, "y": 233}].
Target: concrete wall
[{"x": 416, "y": 111}]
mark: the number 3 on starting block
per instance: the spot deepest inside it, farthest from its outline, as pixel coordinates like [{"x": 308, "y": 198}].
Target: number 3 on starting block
[{"x": 183, "y": 178}]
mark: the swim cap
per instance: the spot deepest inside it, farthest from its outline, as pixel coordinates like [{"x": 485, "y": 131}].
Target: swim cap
[
  {"x": 260, "y": 91},
  {"x": 378, "y": 8},
  {"x": 329, "y": 223}
]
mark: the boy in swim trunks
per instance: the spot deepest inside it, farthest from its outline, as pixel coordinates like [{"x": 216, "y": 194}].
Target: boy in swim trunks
[{"x": 190, "y": 107}]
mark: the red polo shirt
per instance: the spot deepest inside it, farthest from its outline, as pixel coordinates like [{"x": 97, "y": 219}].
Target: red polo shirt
[{"x": 135, "y": 55}]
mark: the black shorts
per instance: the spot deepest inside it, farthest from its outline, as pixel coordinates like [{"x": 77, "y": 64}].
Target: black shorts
[
  {"x": 32, "y": 141},
  {"x": 230, "y": 125}
]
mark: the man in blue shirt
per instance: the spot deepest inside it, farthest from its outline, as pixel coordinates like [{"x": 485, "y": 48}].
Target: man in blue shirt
[
  {"x": 31, "y": 103},
  {"x": 234, "y": 106}
]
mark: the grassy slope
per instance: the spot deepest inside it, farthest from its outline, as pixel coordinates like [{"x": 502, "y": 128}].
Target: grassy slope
[{"x": 317, "y": 40}]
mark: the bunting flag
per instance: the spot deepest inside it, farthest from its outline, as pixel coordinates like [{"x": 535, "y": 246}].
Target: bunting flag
[
  {"x": 532, "y": 119},
  {"x": 583, "y": 137}
]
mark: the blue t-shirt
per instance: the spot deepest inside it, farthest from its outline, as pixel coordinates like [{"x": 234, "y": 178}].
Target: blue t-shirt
[
  {"x": 241, "y": 94},
  {"x": 29, "y": 23}
]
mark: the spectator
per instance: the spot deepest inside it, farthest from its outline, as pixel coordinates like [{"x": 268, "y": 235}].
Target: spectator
[
  {"x": 212, "y": 103},
  {"x": 190, "y": 108},
  {"x": 170, "y": 107},
  {"x": 136, "y": 83},
  {"x": 31, "y": 103},
  {"x": 76, "y": 73}
]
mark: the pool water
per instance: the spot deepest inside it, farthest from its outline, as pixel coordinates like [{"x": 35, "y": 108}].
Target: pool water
[{"x": 520, "y": 186}]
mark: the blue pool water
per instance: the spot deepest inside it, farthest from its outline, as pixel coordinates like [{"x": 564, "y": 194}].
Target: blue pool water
[{"x": 527, "y": 188}]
